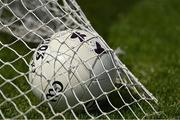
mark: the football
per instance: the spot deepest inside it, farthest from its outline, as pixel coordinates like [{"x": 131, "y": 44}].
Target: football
[{"x": 73, "y": 66}]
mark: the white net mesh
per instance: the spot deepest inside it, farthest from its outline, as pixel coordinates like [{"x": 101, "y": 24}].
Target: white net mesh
[{"x": 54, "y": 65}]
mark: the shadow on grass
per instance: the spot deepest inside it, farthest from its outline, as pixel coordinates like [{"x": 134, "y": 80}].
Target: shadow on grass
[{"x": 122, "y": 105}]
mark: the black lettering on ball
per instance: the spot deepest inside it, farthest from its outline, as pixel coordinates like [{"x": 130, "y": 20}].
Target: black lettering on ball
[
  {"x": 33, "y": 67},
  {"x": 52, "y": 92},
  {"x": 41, "y": 52},
  {"x": 78, "y": 35},
  {"x": 43, "y": 48},
  {"x": 39, "y": 55},
  {"x": 99, "y": 48}
]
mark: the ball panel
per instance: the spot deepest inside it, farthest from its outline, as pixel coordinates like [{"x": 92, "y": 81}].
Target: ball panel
[{"x": 69, "y": 66}]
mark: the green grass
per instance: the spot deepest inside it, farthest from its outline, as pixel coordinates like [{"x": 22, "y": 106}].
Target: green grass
[
  {"x": 147, "y": 30},
  {"x": 150, "y": 36}
]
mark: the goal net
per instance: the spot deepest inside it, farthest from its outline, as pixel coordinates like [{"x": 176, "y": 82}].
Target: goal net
[{"x": 66, "y": 83}]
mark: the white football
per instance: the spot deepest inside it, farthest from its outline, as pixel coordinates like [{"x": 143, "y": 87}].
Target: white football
[{"x": 72, "y": 66}]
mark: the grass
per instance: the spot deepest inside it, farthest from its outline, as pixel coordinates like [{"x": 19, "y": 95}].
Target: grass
[
  {"x": 149, "y": 35},
  {"x": 147, "y": 30}
]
